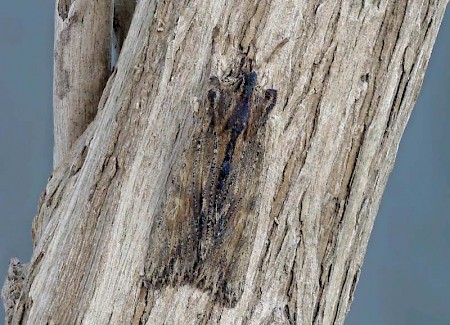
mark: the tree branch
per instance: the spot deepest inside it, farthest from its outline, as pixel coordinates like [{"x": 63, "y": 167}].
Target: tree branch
[
  {"x": 81, "y": 67},
  {"x": 234, "y": 170}
]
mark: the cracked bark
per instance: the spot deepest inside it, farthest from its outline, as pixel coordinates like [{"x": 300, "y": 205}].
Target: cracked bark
[{"x": 347, "y": 75}]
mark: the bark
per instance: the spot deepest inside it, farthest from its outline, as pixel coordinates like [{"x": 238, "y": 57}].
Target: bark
[
  {"x": 191, "y": 199},
  {"x": 81, "y": 67}
]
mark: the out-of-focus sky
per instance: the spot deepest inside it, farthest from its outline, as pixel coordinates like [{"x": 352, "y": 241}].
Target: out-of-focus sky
[{"x": 405, "y": 278}]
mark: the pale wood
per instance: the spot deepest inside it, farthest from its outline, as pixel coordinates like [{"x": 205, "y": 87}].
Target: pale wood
[
  {"x": 12, "y": 287},
  {"x": 81, "y": 67},
  {"x": 347, "y": 76}
]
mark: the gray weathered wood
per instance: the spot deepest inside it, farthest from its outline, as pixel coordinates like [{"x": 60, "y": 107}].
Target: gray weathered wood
[
  {"x": 347, "y": 75},
  {"x": 81, "y": 67}
]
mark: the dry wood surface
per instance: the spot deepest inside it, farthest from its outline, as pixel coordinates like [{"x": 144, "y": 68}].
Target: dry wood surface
[{"x": 191, "y": 199}]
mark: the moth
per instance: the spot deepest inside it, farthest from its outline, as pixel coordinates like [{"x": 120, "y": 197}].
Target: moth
[{"x": 204, "y": 232}]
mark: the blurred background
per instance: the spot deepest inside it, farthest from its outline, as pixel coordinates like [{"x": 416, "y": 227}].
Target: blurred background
[{"x": 405, "y": 277}]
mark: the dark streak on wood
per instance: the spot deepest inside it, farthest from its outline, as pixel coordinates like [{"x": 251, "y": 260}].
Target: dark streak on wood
[
  {"x": 207, "y": 223},
  {"x": 63, "y": 8}
]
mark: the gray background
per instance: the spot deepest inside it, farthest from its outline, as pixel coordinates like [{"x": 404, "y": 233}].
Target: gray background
[{"x": 405, "y": 275}]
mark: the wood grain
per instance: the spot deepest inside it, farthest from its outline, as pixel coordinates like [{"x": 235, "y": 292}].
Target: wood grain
[
  {"x": 81, "y": 68},
  {"x": 347, "y": 75}
]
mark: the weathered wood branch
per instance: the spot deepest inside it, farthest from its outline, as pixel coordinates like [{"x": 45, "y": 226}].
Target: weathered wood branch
[
  {"x": 81, "y": 67},
  {"x": 132, "y": 225}
]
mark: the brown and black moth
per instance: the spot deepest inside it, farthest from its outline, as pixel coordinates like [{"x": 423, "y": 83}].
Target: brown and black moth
[{"x": 206, "y": 226}]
